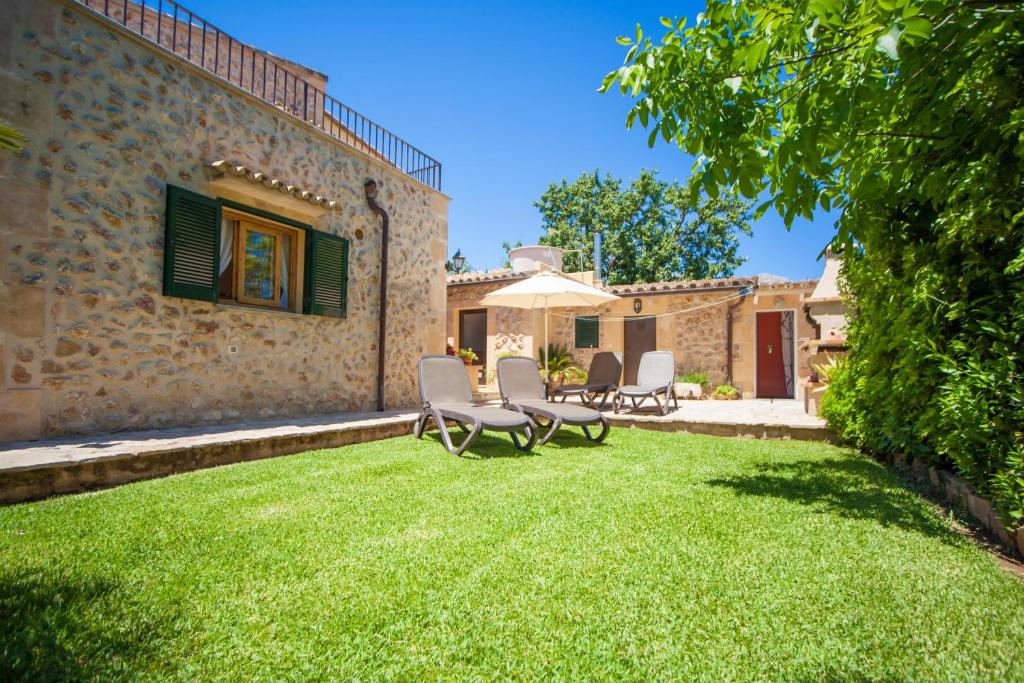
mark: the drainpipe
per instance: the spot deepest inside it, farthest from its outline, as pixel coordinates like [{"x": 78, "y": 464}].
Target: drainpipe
[
  {"x": 728, "y": 334},
  {"x": 370, "y": 187}
]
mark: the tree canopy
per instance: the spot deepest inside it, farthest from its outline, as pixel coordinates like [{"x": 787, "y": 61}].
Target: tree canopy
[
  {"x": 826, "y": 103},
  {"x": 652, "y": 230},
  {"x": 908, "y": 116}
]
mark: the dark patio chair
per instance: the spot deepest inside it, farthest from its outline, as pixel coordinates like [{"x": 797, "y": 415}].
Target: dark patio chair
[
  {"x": 445, "y": 394},
  {"x": 603, "y": 378},
  {"x": 655, "y": 377},
  {"x": 522, "y": 389}
]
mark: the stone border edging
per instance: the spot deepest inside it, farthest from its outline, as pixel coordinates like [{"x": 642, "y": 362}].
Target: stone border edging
[
  {"x": 23, "y": 485},
  {"x": 959, "y": 495},
  {"x": 728, "y": 429}
]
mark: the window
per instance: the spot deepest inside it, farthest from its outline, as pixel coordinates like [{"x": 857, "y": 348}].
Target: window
[
  {"x": 219, "y": 251},
  {"x": 587, "y": 332},
  {"x": 257, "y": 261}
]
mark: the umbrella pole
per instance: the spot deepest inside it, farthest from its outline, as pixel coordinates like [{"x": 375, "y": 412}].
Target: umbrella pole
[{"x": 547, "y": 380}]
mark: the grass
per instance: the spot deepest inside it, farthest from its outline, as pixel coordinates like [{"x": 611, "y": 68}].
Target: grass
[{"x": 654, "y": 556}]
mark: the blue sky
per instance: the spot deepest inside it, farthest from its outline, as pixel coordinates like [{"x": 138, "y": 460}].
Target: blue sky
[{"x": 504, "y": 95}]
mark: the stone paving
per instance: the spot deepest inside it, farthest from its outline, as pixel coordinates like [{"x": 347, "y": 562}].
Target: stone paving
[
  {"x": 778, "y": 412},
  {"x": 757, "y": 418},
  {"x": 40, "y": 468}
]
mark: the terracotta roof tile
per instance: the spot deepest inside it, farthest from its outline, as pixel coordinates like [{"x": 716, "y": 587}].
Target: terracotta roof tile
[
  {"x": 794, "y": 284},
  {"x": 683, "y": 285},
  {"x": 222, "y": 168},
  {"x": 503, "y": 274},
  {"x": 485, "y": 276}
]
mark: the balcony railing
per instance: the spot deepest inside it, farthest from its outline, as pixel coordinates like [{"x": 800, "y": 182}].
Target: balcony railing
[{"x": 172, "y": 27}]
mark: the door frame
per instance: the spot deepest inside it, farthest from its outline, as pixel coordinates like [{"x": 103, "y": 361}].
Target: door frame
[
  {"x": 625, "y": 323},
  {"x": 458, "y": 327},
  {"x": 796, "y": 373}
]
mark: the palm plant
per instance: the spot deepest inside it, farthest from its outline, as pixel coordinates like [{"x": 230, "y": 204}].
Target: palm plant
[
  {"x": 11, "y": 139},
  {"x": 560, "y": 364}
]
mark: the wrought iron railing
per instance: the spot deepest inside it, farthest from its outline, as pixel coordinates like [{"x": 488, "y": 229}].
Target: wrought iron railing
[{"x": 272, "y": 79}]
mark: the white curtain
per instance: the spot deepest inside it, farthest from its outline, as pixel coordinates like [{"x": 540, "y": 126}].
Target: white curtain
[
  {"x": 227, "y": 243},
  {"x": 787, "y": 350},
  {"x": 286, "y": 250}
]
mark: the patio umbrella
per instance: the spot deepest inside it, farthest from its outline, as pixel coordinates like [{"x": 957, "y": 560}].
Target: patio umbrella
[{"x": 545, "y": 290}]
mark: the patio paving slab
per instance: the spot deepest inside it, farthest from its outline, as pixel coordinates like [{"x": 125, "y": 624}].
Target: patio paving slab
[
  {"x": 788, "y": 412},
  {"x": 754, "y": 419}
]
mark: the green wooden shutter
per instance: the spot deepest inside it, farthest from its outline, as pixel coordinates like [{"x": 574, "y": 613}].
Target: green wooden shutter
[
  {"x": 326, "y": 291},
  {"x": 587, "y": 333},
  {"x": 191, "y": 245}
]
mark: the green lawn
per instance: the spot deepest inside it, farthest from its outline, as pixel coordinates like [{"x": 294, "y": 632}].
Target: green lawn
[{"x": 652, "y": 556}]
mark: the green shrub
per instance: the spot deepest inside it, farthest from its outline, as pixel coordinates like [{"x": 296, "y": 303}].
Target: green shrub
[
  {"x": 700, "y": 378},
  {"x": 936, "y": 364},
  {"x": 725, "y": 390},
  {"x": 837, "y": 404}
]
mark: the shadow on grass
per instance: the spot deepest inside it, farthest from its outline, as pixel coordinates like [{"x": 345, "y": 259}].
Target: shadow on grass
[
  {"x": 854, "y": 488},
  {"x": 571, "y": 437},
  {"x": 49, "y": 633},
  {"x": 488, "y": 446},
  {"x": 485, "y": 446}
]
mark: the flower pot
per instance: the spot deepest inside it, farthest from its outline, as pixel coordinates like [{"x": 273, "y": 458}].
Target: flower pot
[
  {"x": 689, "y": 390},
  {"x": 726, "y": 397},
  {"x": 473, "y": 372}
]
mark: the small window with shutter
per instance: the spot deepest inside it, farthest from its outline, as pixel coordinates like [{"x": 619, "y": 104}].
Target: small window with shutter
[
  {"x": 587, "y": 332},
  {"x": 221, "y": 251}
]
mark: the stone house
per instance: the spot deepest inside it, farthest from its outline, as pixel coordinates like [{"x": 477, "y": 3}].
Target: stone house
[
  {"x": 738, "y": 330},
  {"x": 186, "y": 237}
]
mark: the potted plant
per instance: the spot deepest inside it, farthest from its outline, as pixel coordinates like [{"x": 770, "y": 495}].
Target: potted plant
[
  {"x": 691, "y": 385},
  {"x": 725, "y": 392},
  {"x": 469, "y": 359},
  {"x": 468, "y": 356},
  {"x": 561, "y": 366}
]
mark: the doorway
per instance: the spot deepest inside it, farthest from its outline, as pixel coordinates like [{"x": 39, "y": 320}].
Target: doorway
[
  {"x": 473, "y": 332},
  {"x": 775, "y": 352},
  {"x": 640, "y": 334}
]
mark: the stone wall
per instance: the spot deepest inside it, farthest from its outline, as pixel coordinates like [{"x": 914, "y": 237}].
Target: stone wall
[
  {"x": 509, "y": 330},
  {"x": 692, "y": 324},
  {"x": 696, "y": 338},
  {"x": 88, "y": 342}
]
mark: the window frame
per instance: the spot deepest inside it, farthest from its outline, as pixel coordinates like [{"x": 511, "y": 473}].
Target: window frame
[
  {"x": 262, "y": 222},
  {"x": 596, "y": 319}
]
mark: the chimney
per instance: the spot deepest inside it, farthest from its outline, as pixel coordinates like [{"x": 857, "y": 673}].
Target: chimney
[{"x": 597, "y": 258}]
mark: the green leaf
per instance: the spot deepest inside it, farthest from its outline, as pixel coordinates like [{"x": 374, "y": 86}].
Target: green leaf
[
  {"x": 919, "y": 27},
  {"x": 665, "y": 21},
  {"x": 623, "y": 40},
  {"x": 762, "y": 207}
]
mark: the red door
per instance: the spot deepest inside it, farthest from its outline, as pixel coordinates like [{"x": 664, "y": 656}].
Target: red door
[{"x": 771, "y": 374}]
